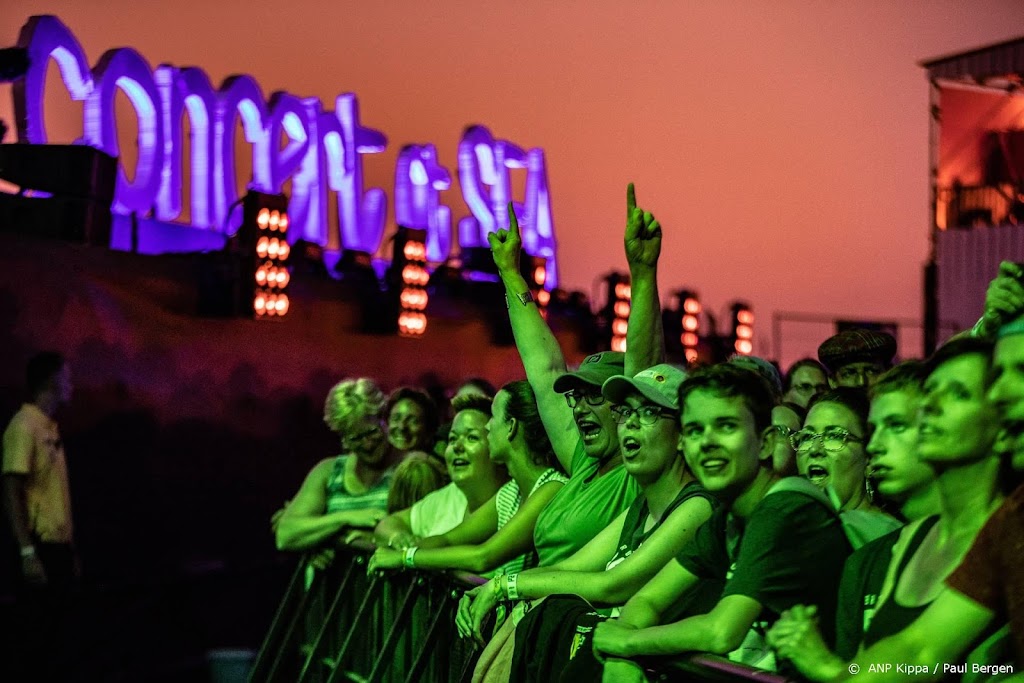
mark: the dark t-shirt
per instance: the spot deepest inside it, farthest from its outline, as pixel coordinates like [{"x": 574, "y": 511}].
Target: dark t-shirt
[
  {"x": 992, "y": 573},
  {"x": 862, "y": 580},
  {"x": 789, "y": 551},
  {"x": 633, "y": 532}
]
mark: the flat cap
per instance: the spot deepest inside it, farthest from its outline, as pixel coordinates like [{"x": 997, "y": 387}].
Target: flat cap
[{"x": 857, "y": 346}]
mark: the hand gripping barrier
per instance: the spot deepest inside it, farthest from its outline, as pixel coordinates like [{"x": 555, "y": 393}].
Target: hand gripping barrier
[{"x": 338, "y": 624}]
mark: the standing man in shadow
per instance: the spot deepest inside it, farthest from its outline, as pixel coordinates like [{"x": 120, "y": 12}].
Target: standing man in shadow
[{"x": 38, "y": 507}]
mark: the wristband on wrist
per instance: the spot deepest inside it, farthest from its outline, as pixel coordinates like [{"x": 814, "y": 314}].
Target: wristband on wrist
[
  {"x": 511, "y": 589},
  {"x": 28, "y": 550},
  {"x": 409, "y": 558},
  {"x": 525, "y": 298},
  {"x": 496, "y": 589}
]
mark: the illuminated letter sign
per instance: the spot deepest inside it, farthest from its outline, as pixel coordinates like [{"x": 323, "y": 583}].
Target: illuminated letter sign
[
  {"x": 419, "y": 181},
  {"x": 484, "y": 165},
  {"x": 323, "y": 153}
]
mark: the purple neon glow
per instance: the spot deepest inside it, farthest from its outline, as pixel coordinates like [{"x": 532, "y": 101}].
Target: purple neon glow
[
  {"x": 125, "y": 69},
  {"x": 186, "y": 90},
  {"x": 484, "y": 165},
  {"x": 361, "y": 214},
  {"x": 45, "y": 37},
  {"x": 288, "y": 114},
  {"x": 324, "y": 153},
  {"x": 307, "y": 208},
  {"x": 239, "y": 96},
  {"x": 419, "y": 181}
]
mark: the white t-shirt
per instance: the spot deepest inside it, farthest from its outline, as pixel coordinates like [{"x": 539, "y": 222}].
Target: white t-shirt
[{"x": 438, "y": 512}]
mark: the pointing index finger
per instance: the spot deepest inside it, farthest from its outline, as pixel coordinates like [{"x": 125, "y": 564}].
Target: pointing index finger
[
  {"x": 513, "y": 222},
  {"x": 630, "y": 199}
]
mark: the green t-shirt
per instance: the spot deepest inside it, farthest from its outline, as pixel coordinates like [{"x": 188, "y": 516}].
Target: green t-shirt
[{"x": 584, "y": 506}]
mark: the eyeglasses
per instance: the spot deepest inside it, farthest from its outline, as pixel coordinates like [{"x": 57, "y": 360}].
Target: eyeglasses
[
  {"x": 831, "y": 440},
  {"x": 592, "y": 398},
  {"x": 647, "y": 415},
  {"x": 350, "y": 440}
]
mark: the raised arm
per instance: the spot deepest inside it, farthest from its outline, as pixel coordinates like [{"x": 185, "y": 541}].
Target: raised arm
[
  {"x": 1004, "y": 300},
  {"x": 645, "y": 340},
  {"x": 538, "y": 348}
]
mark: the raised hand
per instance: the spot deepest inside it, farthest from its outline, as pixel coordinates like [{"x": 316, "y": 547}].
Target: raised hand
[
  {"x": 643, "y": 234},
  {"x": 506, "y": 244},
  {"x": 1004, "y": 299}
]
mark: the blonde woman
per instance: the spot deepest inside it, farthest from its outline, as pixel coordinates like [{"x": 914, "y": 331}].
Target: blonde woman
[{"x": 349, "y": 491}]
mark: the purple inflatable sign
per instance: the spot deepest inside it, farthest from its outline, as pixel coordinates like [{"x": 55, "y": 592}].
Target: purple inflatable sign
[{"x": 323, "y": 153}]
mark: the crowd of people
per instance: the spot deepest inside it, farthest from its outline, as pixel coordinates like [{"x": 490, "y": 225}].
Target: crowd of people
[{"x": 823, "y": 522}]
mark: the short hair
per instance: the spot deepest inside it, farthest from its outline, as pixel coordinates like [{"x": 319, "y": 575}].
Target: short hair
[
  {"x": 414, "y": 478},
  {"x": 472, "y": 402},
  {"x": 906, "y": 376},
  {"x": 522, "y": 405},
  {"x": 41, "y": 370},
  {"x": 481, "y": 385},
  {"x": 853, "y": 399},
  {"x": 431, "y": 417},
  {"x": 963, "y": 346},
  {"x": 729, "y": 381},
  {"x": 787, "y": 381},
  {"x": 351, "y": 400}
]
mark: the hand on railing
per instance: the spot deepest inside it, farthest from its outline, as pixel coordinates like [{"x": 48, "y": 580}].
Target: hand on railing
[
  {"x": 474, "y": 607},
  {"x": 384, "y": 559},
  {"x": 322, "y": 559}
]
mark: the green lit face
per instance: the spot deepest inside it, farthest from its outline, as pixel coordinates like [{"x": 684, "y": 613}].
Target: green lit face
[
  {"x": 406, "y": 425},
  {"x": 896, "y": 470},
  {"x": 958, "y": 423},
  {"x": 366, "y": 441},
  {"x": 467, "y": 454},
  {"x": 594, "y": 420},
  {"x": 721, "y": 443},
  {"x": 1006, "y": 392},
  {"x": 843, "y": 468},
  {"x": 648, "y": 451}
]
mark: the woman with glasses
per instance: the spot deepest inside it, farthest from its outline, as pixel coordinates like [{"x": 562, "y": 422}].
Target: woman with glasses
[
  {"x": 956, "y": 430},
  {"x": 625, "y": 554},
  {"x": 349, "y": 491},
  {"x": 831, "y": 449},
  {"x": 500, "y": 533}
]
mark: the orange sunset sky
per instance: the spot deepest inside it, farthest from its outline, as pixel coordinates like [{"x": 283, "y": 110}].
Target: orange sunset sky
[{"x": 782, "y": 144}]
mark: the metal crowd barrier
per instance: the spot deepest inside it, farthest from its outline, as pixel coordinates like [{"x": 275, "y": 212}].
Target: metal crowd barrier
[{"x": 339, "y": 624}]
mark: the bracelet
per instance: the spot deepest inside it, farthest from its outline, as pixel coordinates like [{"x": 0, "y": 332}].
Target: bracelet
[
  {"x": 409, "y": 558},
  {"x": 28, "y": 550},
  {"x": 511, "y": 590},
  {"x": 525, "y": 298}
]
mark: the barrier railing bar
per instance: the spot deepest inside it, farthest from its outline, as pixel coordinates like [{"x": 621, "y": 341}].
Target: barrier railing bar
[
  {"x": 364, "y": 606},
  {"x": 274, "y": 642},
  {"x": 397, "y": 626},
  {"x": 420, "y": 659},
  {"x": 328, "y": 618}
]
